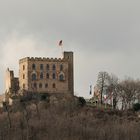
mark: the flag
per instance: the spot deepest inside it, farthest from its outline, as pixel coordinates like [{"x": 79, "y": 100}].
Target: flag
[{"x": 60, "y": 43}]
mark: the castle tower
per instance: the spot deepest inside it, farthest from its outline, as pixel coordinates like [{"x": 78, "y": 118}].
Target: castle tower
[
  {"x": 23, "y": 73},
  {"x": 8, "y": 79},
  {"x": 69, "y": 57}
]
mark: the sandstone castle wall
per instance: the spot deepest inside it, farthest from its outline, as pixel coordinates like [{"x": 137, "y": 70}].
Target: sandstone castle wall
[{"x": 44, "y": 75}]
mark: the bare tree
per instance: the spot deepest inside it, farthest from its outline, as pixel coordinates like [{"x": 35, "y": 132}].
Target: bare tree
[
  {"x": 130, "y": 90},
  {"x": 37, "y": 110},
  {"x": 113, "y": 89},
  {"x": 8, "y": 113},
  {"x": 138, "y": 92},
  {"x": 102, "y": 83}
]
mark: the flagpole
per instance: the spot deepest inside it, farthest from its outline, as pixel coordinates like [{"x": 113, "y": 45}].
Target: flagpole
[
  {"x": 61, "y": 48},
  {"x": 61, "y": 51},
  {"x": 90, "y": 92}
]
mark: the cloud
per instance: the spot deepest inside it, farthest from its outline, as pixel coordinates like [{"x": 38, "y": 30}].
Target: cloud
[
  {"x": 15, "y": 47},
  {"x": 104, "y": 35}
]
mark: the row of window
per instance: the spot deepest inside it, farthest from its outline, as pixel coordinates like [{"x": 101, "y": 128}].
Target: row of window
[
  {"x": 34, "y": 76},
  {"x": 47, "y": 67},
  {"x": 41, "y": 85}
]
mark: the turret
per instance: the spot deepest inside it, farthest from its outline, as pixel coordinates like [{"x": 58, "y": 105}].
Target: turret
[{"x": 69, "y": 57}]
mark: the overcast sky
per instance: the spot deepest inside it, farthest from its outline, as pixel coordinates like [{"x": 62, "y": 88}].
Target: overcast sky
[{"x": 104, "y": 35}]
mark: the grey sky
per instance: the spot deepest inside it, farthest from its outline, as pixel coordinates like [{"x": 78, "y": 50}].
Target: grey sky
[{"x": 104, "y": 35}]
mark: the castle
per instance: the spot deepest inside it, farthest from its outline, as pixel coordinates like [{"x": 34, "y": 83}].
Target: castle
[{"x": 43, "y": 75}]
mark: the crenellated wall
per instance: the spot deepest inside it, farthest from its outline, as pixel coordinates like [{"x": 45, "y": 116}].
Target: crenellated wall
[
  {"x": 64, "y": 59},
  {"x": 43, "y": 75},
  {"x": 51, "y": 84}
]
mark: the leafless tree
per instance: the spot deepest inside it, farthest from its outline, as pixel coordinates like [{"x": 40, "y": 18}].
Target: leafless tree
[
  {"x": 113, "y": 89},
  {"x": 129, "y": 91},
  {"x": 8, "y": 113},
  {"x": 102, "y": 82}
]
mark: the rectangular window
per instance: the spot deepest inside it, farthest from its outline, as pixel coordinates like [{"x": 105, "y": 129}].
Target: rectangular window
[
  {"x": 40, "y": 85},
  {"x": 41, "y": 75},
  {"x": 23, "y": 86},
  {"x": 41, "y": 66},
  {"x": 53, "y": 76},
  {"x": 61, "y": 67},
  {"x": 47, "y": 75},
  {"x": 53, "y": 85},
  {"x": 23, "y": 76},
  {"x": 23, "y": 67},
  {"x": 53, "y": 67},
  {"x": 33, "y": 66},
  {"x": 47, "y": 67}
]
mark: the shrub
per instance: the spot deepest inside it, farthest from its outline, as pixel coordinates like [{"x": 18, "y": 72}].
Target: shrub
[
  {"x": 82, "y": 101},
  {"x": 136, "y": 107}
]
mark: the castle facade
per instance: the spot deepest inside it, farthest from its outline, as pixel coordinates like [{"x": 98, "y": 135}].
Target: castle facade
[{"x": 43, "y": 75}]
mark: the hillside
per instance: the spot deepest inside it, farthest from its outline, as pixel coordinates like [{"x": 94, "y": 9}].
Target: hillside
[{"x": 63, "y": 118}]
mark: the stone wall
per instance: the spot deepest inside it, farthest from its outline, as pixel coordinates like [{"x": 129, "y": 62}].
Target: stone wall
[
  {"x": 12, "y": 83},
  {"x": 35, "y": 76}
]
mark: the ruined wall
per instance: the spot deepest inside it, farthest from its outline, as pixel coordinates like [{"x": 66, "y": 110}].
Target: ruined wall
[{"x": 12, "y": 83}]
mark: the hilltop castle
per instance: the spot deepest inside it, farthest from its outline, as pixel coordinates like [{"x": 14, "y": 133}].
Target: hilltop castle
[{"x": 43, "y": 75}]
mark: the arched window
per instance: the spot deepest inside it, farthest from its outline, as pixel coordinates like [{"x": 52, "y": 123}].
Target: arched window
[
  {"x": 61, "y": 67},
  {"x": 33, "y": 66},
  {"x": 54, "y": 67},
  {"x": 61, "y": 77},
  {"x": 47, "y": 75},
  {"x": 53, "y": 85},
  {"x": 53, "y": 76},
  {"x": 33, "y": 76},
  {"x": 41, "y": 66},
  {"x": 40, "y": 85},
  {"x": 46, "y": 85},
  {"x": 41, "y": 75},
  {"x": 47, "y": 67}
]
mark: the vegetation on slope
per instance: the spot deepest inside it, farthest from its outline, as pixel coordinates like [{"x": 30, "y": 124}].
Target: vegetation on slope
[{"x": 64, "y": 118}]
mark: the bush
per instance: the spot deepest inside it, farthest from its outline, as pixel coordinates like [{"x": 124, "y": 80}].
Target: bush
[
  {"x": 136, "y": 107},
  {"x": 82, "y": 101}
]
